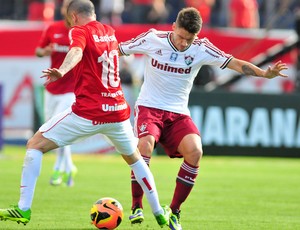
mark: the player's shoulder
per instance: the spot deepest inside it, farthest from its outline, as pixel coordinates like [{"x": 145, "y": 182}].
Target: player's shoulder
[
  {"x": 78, "y": 28},
  {"x": 201, "y": 41},
  {"x": 108, "y": 28},
  {"x": 153, "y": 33}
]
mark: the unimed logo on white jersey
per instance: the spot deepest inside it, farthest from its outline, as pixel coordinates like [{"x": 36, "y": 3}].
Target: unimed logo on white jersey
[{"x": 166, "y": 67}]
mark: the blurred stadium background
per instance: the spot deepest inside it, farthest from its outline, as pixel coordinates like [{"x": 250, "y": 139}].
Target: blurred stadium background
[{"x": 236, "y": 115}]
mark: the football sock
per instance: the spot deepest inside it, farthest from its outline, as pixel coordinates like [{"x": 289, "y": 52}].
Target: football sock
[
  {"x": 184, "y": 184},
  {"x": 136, "y": 189},
  {"x": 59, "y": 166},
  {"x": 68, "y": 158},
  {"x": 30, "y": 172},
  {"x": 145, "y": 178}
]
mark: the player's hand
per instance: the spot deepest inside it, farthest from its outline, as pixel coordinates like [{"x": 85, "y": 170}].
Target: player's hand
[
  {"x": 48, "y": 50},
  {"x": 275, "y": 70},
  {"x": 51, "y": 75}
]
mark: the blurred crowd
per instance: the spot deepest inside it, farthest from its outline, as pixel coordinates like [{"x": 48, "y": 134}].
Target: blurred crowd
[
  {"x": 215, "y": 13},
  {"x": 265, "y": 14}
]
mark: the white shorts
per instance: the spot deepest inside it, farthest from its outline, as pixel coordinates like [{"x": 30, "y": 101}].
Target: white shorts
[
  {"x": 56, "y": 103},
  {"x": 66, "y": 128}
]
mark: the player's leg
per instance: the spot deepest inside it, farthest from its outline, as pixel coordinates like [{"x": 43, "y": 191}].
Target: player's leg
[
  {"x": 191, "y": 149},
  {"x": 145, "y": 126},
  {"x": 122, "y": 137},
  {"x": 46, "y": 139},
  {"x": 56, "y": 177},
  {"x": 145, "y": 178},
  {"x": 36, "y": 146},
  {"x": 67, "y": 169},
  {"x": 70, "y": 169},
  {"x": 145, "y": 146},
  {"x": 182, "y": 139},
  {"x": 51, "y": 102}
]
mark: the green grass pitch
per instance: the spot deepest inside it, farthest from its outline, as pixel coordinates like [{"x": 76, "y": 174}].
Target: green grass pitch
[{"x": 230, "y": 192}]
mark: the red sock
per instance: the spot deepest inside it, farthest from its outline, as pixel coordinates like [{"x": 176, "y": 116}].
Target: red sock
[
  {"x": 184, "y": 184},
  {"x": 136, "y": 190}
]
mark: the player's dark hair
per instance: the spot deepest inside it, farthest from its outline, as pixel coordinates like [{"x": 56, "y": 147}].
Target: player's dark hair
[
  {"x": 189, "y": 19},
  {"x": 85, "y": 7}
]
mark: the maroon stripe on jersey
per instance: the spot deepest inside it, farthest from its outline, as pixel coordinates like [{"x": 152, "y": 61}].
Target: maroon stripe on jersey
[
  {"x": 214, "y": 48},
  {"x": 197, "y": 41},
  {"x": 226, "y": 62},
  {"x": 170, "y": 42},
  {"x": 142, "y": 35},
  {"x": 122, "y": 51},
  {"x": 162, "y": 35}
]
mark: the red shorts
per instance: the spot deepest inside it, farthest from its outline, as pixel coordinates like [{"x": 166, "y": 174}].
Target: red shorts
[{"x": 166, "y": 127}]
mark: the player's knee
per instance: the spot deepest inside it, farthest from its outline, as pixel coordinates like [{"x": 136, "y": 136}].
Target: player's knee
[
  {"x": 30, "y": 143},
  {"x": 36, "y": 142},
  {"x": 194, "y": 156},
  {"x": 197, "y": 154},
  {"x": 146, "y": 147}
]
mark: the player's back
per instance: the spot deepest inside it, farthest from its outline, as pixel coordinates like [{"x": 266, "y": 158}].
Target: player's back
[{"x": 99, "y": 96}]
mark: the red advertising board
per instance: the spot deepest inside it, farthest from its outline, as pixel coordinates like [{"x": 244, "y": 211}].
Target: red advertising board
[{"x": 244, "y": 44}]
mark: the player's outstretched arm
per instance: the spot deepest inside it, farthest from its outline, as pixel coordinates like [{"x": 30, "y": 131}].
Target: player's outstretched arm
[
  {"x": 248, "y": 68},
  {"x": 71, "y": 60},
  {"x": 42, "y": 52}
]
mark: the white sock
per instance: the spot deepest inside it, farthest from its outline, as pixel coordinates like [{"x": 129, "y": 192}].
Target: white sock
[
  {"x": 68, "y": 159},
  {"x": 145, "y": 178},
  {"x": 30, "y": 172},
  {"x": 59, "y": 160}
]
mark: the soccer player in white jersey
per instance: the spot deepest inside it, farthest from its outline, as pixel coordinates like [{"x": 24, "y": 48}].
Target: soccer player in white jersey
[
  {"x": 172, "y": 61},
  {"x": 100, "y": 107}
]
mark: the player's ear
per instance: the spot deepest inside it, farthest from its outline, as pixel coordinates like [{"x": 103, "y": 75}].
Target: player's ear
[{"x": 173, "y": 25}]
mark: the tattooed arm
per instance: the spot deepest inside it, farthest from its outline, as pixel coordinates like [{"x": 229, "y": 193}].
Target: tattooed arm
[
  {"x": 71, "y": 60},
  {"x": 248, "y": 68}
]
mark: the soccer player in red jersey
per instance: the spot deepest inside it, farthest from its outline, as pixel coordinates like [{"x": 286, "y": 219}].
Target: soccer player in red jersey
[
  {"x": 59, "y": 95},
  {"x": 100, "y": 107},
  {"x": 172, "y": 61}
]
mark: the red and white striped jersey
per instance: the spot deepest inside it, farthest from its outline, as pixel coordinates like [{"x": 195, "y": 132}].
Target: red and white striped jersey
[
  {"x": 99, "y": 96},
  {"x": 169, "y": 73}
]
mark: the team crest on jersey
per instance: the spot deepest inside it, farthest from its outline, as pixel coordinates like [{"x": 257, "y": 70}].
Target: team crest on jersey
[
  {"x": 143, "y": 127},
  {"x": 188, "y": 59},
  {"x": 173, "y": 57}
]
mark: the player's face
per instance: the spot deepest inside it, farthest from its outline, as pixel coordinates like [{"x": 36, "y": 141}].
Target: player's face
[{"x": 181, "y": 38}]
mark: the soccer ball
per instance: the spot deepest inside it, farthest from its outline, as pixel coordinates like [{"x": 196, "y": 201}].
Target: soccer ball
[{"x": 107, "y": 213}]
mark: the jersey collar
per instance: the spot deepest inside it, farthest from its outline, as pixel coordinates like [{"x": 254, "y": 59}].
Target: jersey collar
[{"x": 172, "y": 45}]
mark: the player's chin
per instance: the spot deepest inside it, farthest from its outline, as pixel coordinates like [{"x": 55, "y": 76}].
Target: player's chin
[{"x": 182, "y": 48}]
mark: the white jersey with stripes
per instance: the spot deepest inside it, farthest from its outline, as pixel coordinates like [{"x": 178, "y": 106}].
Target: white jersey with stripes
[{"x": 169, "y": 73}]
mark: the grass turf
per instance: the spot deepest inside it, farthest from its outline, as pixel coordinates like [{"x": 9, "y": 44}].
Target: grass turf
[{"x": 230, "y": 192}]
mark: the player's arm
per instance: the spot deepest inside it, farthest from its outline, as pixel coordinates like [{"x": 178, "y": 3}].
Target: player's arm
[
  {"x": 72, "y": 58},
  {"x": 248, "y": 68},
  {"x": 46, "y": 51}
]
